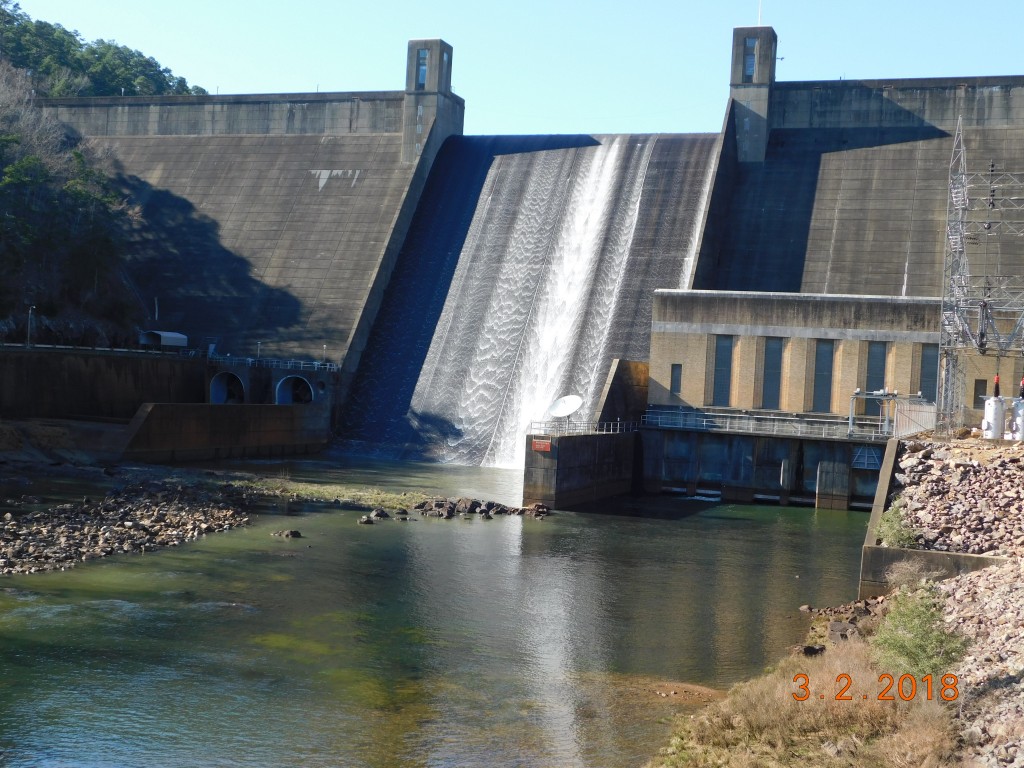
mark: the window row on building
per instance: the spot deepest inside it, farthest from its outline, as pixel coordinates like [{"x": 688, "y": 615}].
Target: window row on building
[{"x": 803, "y": 375}]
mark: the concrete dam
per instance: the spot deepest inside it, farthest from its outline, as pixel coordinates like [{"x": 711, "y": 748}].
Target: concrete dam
[
  {"x": 462, "y": 284},
  {"x": 530, "y": 265}
]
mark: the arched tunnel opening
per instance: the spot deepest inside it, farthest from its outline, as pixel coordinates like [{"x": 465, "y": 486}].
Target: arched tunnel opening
[
  {"x": 293, "y": 390},
  {"x": 226, "y": 388}
]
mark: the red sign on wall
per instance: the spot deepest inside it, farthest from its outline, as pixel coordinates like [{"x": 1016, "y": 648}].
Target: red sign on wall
[{"x": 542, "y": 444}]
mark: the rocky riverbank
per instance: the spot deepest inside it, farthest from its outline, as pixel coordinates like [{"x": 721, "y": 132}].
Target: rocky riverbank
[
  {"x": 148, "y": 514},
  {"x": 140, "y": 517},
  {"x": 988, "y": 607},
  {"x": 968, "y": 496},
  {"x": 964, "y": 497}
]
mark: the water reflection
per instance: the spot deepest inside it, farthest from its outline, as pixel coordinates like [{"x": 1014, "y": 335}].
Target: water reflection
[{"x": 463, "y": 642}]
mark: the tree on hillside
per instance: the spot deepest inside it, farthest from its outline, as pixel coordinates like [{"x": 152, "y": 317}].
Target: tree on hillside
[
  {"x": 60, "y": 221},
  {"x": 59, "y": 63},
  {"x": 63, "y": 226},
  {"x": 116, "y": 69}
]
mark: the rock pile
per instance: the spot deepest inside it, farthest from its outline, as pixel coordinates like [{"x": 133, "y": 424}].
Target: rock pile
[
  {"x": 838, "y": 623},
  {"x": 139, "y": 518},
  {"x": 963, "y": 505},
  {"x": 465, "y": 507},
  {"x": 964, "y": 499},
  {"x": 988, "y": 607}
]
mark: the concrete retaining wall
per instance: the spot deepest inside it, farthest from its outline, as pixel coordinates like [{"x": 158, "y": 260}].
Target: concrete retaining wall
[
  {"x": 718, "y": 207},
  {"x": 818, "y": 316},
  {"x": 851, "y": 196},
  {"x": 876, "y": 560},
  {"x": 47, "y": 384},
  {"x": 171, "y": 432},
  {"x": 563, "y": 471}
]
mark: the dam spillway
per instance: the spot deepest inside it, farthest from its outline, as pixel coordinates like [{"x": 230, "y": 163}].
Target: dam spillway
[{"x": 529, "y": 267}]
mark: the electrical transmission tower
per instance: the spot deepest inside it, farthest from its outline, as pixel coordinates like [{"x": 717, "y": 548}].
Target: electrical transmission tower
[{"x": 982, "y": 304}]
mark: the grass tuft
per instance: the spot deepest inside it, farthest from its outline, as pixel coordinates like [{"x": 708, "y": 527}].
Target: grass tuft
[
  {"x": 325, "y": 492},
  {"x": 893, "y": 529}
]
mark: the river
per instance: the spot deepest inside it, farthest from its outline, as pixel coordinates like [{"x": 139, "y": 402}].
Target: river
[{"x": 508, "y": 642}]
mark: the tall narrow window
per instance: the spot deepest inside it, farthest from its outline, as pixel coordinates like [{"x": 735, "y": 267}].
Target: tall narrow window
[
  {"x": 980, "y": 393},
  {"x": 749, "y": 58},
  {"x": 421, "y": 68},
  {"x": 875, "y": 379},
  {"x": 721, "y": 388},
  {"x": 771, "y": 381},
  {"x": 824, "y": 353},
  {"x": 929, "y": 371},
  {"x": 676, "y": 385}
]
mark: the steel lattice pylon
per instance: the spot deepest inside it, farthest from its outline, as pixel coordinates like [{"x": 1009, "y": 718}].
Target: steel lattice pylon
[{"x": 982, "y": 308}]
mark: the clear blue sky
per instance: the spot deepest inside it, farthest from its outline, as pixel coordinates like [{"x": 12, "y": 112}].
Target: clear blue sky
[{"x": 551, "y": 66}]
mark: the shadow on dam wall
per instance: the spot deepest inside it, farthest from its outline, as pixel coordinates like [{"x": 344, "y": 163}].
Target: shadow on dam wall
[
  {"x": 205, "y": 289},
  {"x": 377, "y": 410},
  {"x": 802, "y": 220}
]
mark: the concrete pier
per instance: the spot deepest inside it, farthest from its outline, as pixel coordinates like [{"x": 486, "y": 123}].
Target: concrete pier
[{"x": 563, "y": 471}]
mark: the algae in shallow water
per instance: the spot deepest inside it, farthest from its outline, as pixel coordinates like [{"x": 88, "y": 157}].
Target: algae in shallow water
[{"x": 298, "y": 649}]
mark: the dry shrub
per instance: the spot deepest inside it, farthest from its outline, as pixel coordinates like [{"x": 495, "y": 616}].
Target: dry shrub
[
  {"x": 773, "y": 715},
  {"x": 761, "y": 724},
  {"x": 909, "y": 574},
  {"x": 926, "y": 739}
]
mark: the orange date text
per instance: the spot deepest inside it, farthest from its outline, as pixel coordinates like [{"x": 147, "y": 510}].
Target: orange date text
[{"x": 889, "y": 688}]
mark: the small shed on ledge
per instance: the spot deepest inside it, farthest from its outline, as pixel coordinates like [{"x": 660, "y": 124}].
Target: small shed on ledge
[{"x": 162, "y": 339}]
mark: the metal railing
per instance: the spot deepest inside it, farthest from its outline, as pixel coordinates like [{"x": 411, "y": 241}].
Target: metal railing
[
  {"x": 15, "y": 346},
  {"x": 783, "y": 424},
  {"x": 251, "y": 362},
  {"x": 566, "y": 427},
  {"x": 913, "y": 417},
  {"x": 270, "y": 362}
]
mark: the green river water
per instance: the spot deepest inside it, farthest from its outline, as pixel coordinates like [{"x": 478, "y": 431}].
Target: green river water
[{"x": 509, "y": 642}]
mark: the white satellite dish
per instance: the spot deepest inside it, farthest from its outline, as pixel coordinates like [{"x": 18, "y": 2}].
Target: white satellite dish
[{"x": 565, "y": 406}]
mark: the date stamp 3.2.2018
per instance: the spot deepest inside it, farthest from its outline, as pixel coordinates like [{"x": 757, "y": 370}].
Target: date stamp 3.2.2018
[{"x": 889, "y": 688}]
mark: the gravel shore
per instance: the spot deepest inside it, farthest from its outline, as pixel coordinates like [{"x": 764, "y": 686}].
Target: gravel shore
[
  {"x": 968, "y": 496},
  {"x": 140, "y": 517}
]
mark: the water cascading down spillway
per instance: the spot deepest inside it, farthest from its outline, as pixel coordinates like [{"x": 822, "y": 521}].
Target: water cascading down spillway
[
  {"x": 529, "y": 266},
  {"x": 530, "y": 307}
]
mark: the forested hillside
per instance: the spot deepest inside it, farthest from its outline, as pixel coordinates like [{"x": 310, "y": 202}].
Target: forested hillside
[
  {"x": 57, "y": 62},
  {"x": 64, "y": 223}
]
